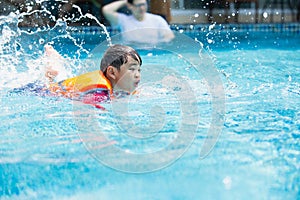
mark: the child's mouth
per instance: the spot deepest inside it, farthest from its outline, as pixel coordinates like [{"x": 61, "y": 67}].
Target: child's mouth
[{"x": 136, "y": 83}]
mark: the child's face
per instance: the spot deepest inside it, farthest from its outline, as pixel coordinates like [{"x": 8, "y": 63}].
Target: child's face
[{"x": 129, "y": 76}]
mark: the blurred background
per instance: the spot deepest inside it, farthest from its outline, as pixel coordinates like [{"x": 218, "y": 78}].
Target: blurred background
[{"x": 174, "y": 11}]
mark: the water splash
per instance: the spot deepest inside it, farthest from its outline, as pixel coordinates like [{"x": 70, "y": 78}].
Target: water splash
[
  {"x": 21, "y": 48},
  {"x": 90, "y": 16}
]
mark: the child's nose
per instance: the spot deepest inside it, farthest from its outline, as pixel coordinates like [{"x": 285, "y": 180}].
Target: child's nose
[{"x": 138, "y": 74}]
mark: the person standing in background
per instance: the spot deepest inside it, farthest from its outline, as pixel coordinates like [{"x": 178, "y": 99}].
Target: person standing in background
[{"x": 140, "y": 26}]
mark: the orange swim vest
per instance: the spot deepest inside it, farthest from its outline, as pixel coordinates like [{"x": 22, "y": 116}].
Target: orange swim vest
[{"x": 83, "y": 87}]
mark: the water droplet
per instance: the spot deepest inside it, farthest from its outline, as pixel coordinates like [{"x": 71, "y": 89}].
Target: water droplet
[
  {"x": 211, "y": 26},
  {"x": 209, "y": 41},
  {"x": 41, "y": 41},
  {"x": 227, "y": 182}
]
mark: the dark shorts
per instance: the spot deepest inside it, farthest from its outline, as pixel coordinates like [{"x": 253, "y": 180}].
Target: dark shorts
[
  {"x": 94, "y": 96},
  {"x": 35, "y": 88}
]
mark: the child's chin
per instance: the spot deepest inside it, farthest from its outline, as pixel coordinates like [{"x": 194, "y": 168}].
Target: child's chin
[{"x": 134, "y": 89}]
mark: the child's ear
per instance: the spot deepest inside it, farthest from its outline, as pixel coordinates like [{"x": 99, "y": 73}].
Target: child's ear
[{"x": 111, "y": 72}]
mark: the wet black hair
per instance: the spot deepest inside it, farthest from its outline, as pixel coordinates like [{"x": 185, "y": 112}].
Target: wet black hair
[
  {"x": 117, "y": 55},
  {"x": 131, "y": 1}
]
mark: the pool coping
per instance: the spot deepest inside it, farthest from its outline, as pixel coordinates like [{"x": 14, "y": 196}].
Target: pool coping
[{"x": 272, "y": 27}]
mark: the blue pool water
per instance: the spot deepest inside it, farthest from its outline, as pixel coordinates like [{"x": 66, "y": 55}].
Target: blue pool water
[{"x": 43, "y": 154}]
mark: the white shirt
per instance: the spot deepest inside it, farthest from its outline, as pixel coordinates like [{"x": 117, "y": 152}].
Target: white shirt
[{"x": 151, "y": 30}]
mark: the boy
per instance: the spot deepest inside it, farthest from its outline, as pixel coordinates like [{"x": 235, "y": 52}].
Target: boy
[{"x": 119, "y": 73}]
